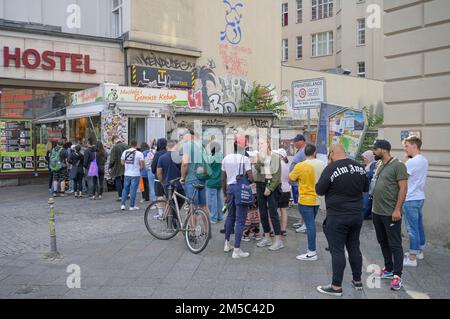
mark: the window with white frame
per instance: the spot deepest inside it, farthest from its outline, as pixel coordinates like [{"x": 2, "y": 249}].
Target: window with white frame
[
  {"x": 285, "y": 50},
  {"x": 299, "y": 11},
  {"x": 322, "y": 44},
  {"x": 361, "y": 32},
  {"x": 362, "y": 69},
  {"x": 284, "y": 14},
  {"x": 322, "y": 9},
  {"x": 117, "y": 18},
  {"x": 299, "y": 48}
]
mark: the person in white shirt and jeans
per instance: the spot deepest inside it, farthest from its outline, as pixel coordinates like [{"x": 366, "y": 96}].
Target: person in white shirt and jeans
[
  {"x": 417, "y": 167},
  {"x": 134, "y": 163}
]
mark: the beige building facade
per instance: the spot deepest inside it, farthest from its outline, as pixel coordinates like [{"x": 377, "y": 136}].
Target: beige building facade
[
  {"x": 417, "y": 95},
  {"x": 333, "y": 35}
]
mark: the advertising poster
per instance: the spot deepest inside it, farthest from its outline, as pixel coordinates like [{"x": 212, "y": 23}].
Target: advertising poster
[{"x": 16, "y": 150}]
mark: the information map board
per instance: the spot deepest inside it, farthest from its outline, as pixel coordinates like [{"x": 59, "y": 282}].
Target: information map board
[{"x": 340, "y": 125}]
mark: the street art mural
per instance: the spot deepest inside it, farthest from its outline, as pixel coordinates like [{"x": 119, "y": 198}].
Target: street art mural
[{"x": 233, "y": 31}]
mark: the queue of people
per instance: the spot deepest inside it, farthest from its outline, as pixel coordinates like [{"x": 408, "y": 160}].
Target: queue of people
[{"x": 254, "y": 188}]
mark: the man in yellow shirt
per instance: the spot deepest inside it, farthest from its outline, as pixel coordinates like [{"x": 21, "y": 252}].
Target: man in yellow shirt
[{"x": 307, "y": 174}]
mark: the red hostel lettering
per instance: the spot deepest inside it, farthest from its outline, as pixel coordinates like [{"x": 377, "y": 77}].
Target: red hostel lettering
[{"x": 32, "y": 59}]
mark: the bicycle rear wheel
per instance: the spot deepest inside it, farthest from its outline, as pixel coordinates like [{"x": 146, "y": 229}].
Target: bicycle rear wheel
[
  {"x": 161, "y": 220},
  {"x": 197, "y": 231}
]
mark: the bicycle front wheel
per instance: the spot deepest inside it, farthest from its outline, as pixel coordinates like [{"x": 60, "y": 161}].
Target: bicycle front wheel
[
  {"x": 197, "y": 231},
  {"x": 161, "y": 220}
]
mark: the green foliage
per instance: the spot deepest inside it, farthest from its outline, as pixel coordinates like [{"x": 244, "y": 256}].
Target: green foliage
[
  {"x": 260, "y": 98},
  {"x": 374, "y": 121}
]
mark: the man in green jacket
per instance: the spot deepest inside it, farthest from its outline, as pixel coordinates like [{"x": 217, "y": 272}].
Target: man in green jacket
[
  {"x": 115, "y": 165},
  {"x": 268, "y": 180}
]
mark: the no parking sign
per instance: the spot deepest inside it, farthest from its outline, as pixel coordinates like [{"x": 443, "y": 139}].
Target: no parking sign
[{"x": 308, "y": 93}]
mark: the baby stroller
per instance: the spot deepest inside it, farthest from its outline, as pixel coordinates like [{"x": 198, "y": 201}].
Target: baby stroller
[{"x": 251, "y": 228}]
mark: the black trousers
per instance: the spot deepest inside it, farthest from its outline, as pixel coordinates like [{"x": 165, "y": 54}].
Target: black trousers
[
  {"x": 119, "y": 185},
  {"x": 268, "y": 206},
  {"x": 389, "y": 236},
  {"x": 146, "y": 192},
  {"x": 343, "y": 231},
  {"x": 78, "y": 182}
]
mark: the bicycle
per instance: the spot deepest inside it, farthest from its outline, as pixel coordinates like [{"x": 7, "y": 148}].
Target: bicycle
[{"x": 163, "y": 219}]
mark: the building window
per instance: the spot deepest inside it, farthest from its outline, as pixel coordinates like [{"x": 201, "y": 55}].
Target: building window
[
  {"x": 322, "y": 44},
  {"x": 284, "y": 14},
  {"x": 361, "y": 32},
  {"x": 362, "y": 69},
  {"x": 322, "y": 9},
  {"x": 285, "y": 52},
  {"x": 299, "y": 11},
  {"x": 299, "y": 48},
  {"x": 117, "y": 18}
]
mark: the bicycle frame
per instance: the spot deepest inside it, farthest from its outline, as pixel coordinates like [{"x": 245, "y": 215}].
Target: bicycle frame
[{"x": 173, "y": 195}]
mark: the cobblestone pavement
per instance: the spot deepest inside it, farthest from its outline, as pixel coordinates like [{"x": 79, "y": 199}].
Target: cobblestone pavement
[{"x": 118, "y": 258}]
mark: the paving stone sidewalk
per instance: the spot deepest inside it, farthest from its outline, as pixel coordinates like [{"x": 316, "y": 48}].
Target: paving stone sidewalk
[{"x": 118, "y": 258}]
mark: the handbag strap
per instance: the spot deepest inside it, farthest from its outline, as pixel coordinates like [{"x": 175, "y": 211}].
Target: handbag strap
[{"x": 382, "y": 168}]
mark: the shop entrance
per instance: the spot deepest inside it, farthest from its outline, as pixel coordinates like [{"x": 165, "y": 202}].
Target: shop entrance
[{"x": 136, "y": 130}]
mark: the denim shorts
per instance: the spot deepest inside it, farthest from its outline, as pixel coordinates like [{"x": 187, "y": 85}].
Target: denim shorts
[{"x": 200, "y": 198}]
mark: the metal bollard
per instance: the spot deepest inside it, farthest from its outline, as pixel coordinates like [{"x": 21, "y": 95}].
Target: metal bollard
[{"x": 54, "y": 254}]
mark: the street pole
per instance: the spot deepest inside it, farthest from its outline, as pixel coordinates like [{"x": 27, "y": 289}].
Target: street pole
[{"x": 54, "y": 254}]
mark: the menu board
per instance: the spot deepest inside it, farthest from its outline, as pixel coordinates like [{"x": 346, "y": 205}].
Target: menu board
[{"x": 16, "y": 149}]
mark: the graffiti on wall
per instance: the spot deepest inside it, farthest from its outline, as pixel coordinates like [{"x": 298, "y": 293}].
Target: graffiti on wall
[
  {"x": 235, "y": 58},
  {"x": 113, "y": 123},
  {"x": 233, "y": 31},
  {"x": 159, "y": 61},
  {"x": 217, "y": 94}
]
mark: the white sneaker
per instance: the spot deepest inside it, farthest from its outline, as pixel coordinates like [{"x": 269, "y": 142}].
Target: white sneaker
[
  {"x": 227, "y": 248},
  {"x": 277, "y": 245},
  {"x": 134, "y": 208},
  {"x": 409, "y": 263},
  {"x": 301, "y": 229},
  {"x": 122, "y": 207},
  {"x": 238, "y": 253},
  {"x": 297, "y": 225},
  {"x": 309, "y": 256},
  {"x": 264, "y": 242},
  {"x": 419, "y": 256}
]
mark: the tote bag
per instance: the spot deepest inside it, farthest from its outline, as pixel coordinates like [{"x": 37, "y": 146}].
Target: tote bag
[
  {"x": 93, "y": 167},
  {"x": 243, "y": 194}
]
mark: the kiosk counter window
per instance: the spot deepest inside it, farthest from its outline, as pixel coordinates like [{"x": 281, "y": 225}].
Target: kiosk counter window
[{"x": 84, "y": 128}]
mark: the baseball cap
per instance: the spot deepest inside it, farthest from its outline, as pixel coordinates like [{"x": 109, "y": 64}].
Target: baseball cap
[
  {"x": 383, "y": 144},
  {"x": 282, "y": 152},
  {"x": 241, "y": 141},
  {"x": 298, "y": 138}
]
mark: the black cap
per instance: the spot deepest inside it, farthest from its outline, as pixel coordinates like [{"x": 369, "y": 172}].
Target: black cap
[
  {"x": 299, "y": 138},
  {"x": 383, "y": 144}
]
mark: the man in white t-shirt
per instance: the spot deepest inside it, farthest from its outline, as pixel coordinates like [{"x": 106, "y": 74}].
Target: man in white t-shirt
[
  {"x": 417, "y": 167},
  {"x": 134, "y": 163},
  {"x": 233, "y": 165}
]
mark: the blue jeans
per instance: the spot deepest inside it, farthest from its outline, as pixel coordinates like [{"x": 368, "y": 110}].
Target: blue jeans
[
  {"x": 200, "y": 197},
  {"x": 309, "y": 214},
  {"x": 237, "y": 215},
  {"x": 412, "y": 211},
  {"x": 215, "y": 203},
  {"x": 133, "y": 183},
  {"x": 151, "y": 184},
  {"x": 295, "y": 193}
]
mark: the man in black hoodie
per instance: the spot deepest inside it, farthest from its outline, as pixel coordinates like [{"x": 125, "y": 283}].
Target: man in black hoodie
[{"x": 343, "y": 183}]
